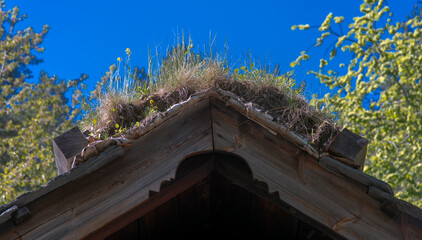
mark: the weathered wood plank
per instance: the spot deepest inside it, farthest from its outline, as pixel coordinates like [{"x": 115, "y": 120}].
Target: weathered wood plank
[
  {"x": 401, "y": 205},
  {"x": 7, "y": 214},
  {"x": 339, "y": 203},
  {"x": 350, "y": 146},
  {"x": 157, "y": 200},
  {"x": 408, "y": 215},
  {"x": 93, "y": 200},
  {"x": 86, "y": 168},
  {"x": 354, "y": 174},
  {"x": 239, "y": 178},
  {"x": 66, "y": 146},
  {"x": 21, "y": 215}
]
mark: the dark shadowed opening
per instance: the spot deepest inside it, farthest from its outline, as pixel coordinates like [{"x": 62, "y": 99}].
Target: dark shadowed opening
[{"x": 223, "y": 201}]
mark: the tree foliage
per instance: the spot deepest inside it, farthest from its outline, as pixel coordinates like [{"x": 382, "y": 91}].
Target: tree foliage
[
  {"x": 377, "y": 92},
  {"x": 31, "y": 114}
]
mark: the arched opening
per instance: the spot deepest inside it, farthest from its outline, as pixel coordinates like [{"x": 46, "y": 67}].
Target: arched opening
[{"x": 213, "y": 196}]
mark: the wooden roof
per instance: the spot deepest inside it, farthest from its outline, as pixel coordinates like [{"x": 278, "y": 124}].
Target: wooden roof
[{"x": 311, "y": 186}]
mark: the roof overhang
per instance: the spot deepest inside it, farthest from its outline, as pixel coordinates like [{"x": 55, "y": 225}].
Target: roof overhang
[{"x": 341, "y": 198}]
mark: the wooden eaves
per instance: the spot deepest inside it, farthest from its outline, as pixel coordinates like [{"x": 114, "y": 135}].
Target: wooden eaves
[{"x": 339, "y": 197}]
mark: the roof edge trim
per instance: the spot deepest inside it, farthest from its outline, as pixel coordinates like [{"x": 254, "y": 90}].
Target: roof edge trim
[{"x": 108, "y": 155}]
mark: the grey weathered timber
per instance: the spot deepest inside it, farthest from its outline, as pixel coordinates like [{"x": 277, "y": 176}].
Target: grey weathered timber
[
  {"x": 83, "y": 169},
  {"x": 66, "y": 146},
  {"x": 354, "y": 174},
  {"x": 21, "y": 215},
  {"x": 351, "y": 146},
  {"x": 95, "y": 199},
  {"x": 328, "y": 197},
  {"x": 400, "y": 205},
  {"x": 153, "y": 202},
  {"x": 7, "y": 213},
  {"x": 75, "y": 204}
]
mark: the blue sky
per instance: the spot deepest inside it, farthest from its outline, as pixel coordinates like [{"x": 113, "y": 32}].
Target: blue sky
[{"x": 88, "y": 36}]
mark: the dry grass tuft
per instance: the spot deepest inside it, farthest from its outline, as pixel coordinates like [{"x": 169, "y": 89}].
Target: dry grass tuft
[{"x": 183, "y": 73}]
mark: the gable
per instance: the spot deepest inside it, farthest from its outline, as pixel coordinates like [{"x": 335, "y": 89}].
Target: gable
[
  {"x": 335, "y": 196},
  {"x": 214, "y": 195}
]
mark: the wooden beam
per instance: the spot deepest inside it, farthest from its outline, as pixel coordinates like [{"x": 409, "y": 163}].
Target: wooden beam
[
  {"x": 21, "y": 215},
  {"x": 66, "y": 146},
  {"x": 7, "y": 214},
  {"x": 354, "y": 174},
  {"x": 349, "y": 145}
]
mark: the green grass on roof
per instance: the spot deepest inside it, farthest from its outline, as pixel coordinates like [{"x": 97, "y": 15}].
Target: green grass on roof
[{"x": 122, "y": 101}]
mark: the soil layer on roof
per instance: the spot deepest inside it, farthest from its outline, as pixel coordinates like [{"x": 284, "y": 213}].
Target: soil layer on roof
[{"x": 286, "y": 107}]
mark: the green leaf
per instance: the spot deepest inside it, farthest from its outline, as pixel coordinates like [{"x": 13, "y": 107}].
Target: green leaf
[{"x": 378, "y": 95}]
